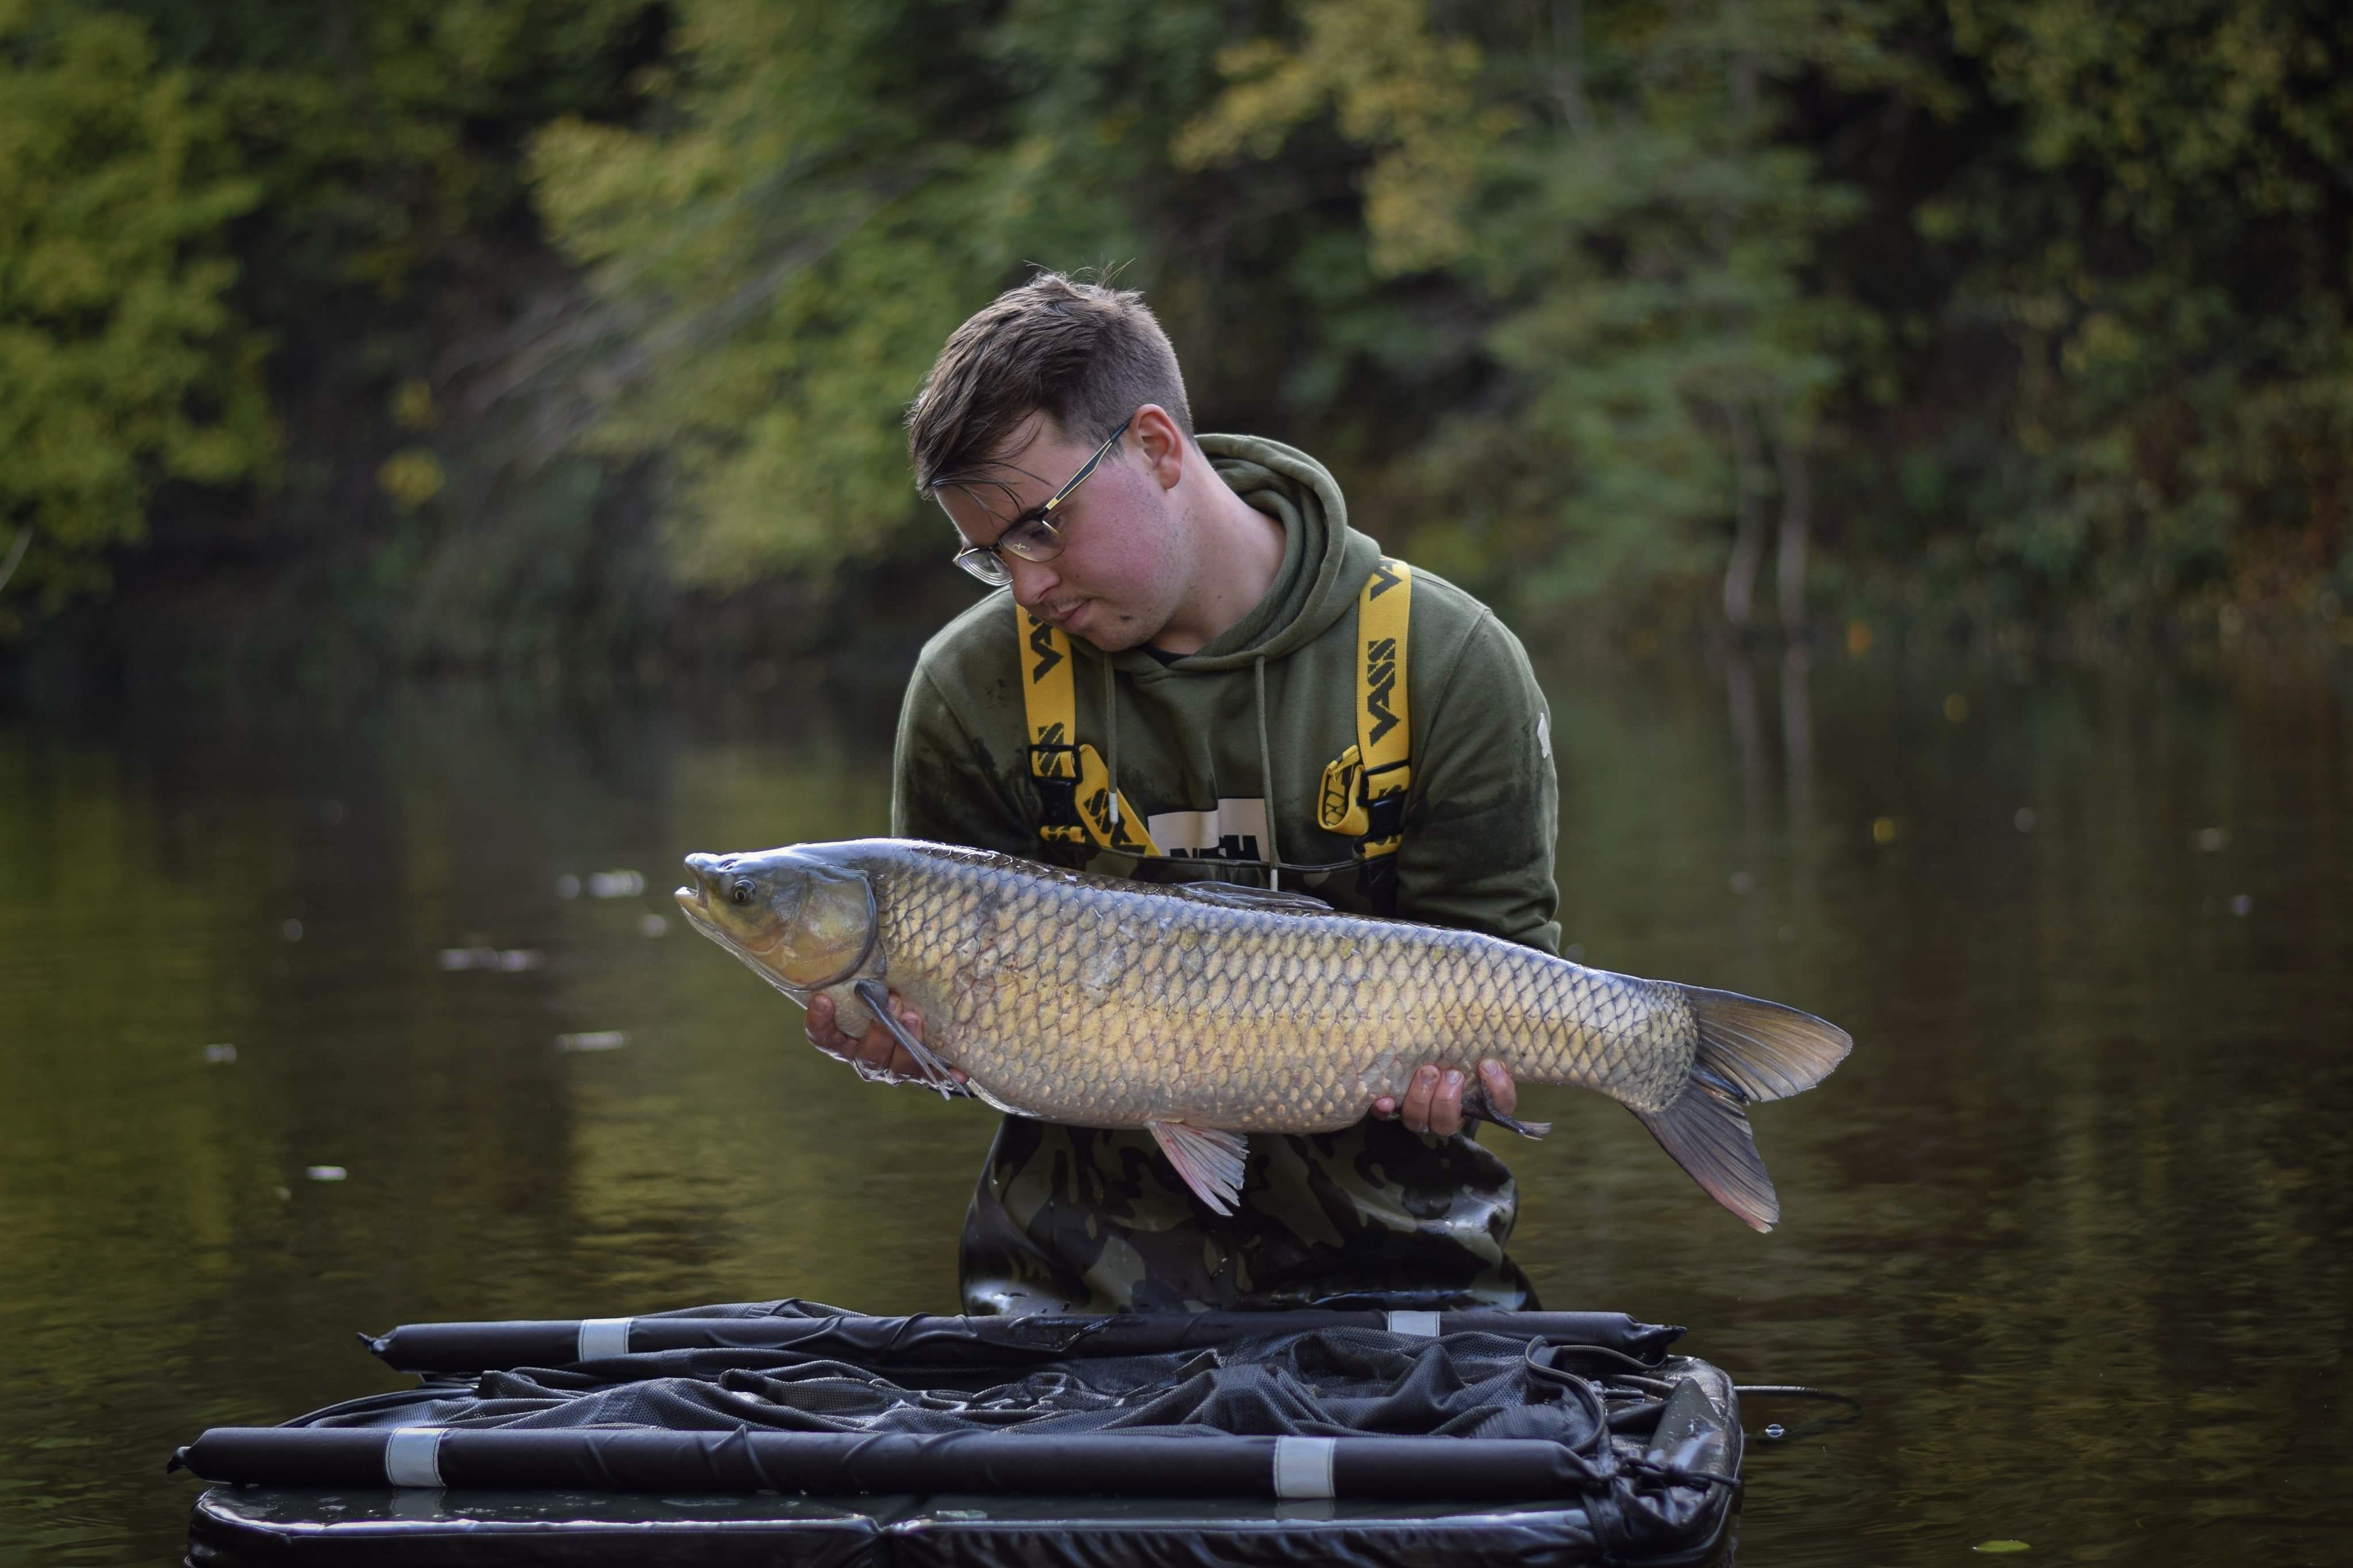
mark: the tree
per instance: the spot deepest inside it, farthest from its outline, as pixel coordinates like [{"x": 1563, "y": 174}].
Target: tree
[
  {"x": 1612, "y": 193},
  {"x": 121, "y": 364},
  {"x": 827, "y": 190}
]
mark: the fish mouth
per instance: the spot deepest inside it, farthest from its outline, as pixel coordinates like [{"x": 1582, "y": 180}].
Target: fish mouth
[
  {"x": 692, "y": 898},
  {"x": 690, "y": 901}
]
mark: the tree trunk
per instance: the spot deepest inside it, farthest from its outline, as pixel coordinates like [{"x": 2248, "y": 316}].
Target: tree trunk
[
  {"x": 1796, "y": 516},
  {"x": 1568, "y": 65},
  {"x": 15, "y": 552}
]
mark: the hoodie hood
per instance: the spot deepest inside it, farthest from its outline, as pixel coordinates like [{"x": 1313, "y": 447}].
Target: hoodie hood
[{"x": 1324, "y": 562}]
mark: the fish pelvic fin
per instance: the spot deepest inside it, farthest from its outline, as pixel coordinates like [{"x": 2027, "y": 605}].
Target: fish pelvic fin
[
  {"x": 1210, "y": 1160},
  {"x": 1707, "y": 1132},
  {"x": 1764, "y": 1050}
]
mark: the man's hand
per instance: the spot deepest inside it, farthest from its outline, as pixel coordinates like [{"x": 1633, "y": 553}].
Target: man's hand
[
  {"x": 1433, "y": 1101},
  {"x": 876, "y": 1055}
]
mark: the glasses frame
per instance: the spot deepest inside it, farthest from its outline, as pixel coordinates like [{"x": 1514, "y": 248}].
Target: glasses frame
[{"x": 1039, "y": 539}]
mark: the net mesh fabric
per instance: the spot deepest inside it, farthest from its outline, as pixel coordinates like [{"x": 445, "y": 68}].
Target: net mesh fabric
[{"x": 1325, "y": 1383}]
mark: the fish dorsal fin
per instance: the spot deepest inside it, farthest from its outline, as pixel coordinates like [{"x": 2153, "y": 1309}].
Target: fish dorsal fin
[
  {"x": 1265, "y": 900},
  {"x": 1209, "y": 1159}
]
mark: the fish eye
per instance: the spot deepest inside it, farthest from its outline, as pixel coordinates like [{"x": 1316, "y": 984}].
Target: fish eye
[{"x": 741, "y": 893}]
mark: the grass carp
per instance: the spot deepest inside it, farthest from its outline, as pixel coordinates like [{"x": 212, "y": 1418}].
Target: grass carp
[{"x": 1205, "y": 1011}]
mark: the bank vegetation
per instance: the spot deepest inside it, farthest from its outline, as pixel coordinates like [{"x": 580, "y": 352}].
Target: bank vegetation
[{"x": 471, "y": 333}]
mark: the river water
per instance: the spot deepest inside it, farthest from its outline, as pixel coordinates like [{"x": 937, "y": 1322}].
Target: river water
[{"x": 2073, "y": 1221}]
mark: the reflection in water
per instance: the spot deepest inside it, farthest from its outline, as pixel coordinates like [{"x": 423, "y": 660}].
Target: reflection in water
[
  {"x": 1798, "y": 736},
  {"x": 2072, "y": 1221}
]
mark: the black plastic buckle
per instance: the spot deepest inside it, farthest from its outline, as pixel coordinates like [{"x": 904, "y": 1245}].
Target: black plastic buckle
[
  {"x": 1057, "y": 793},
  {"x": 1385, "y": 814}
]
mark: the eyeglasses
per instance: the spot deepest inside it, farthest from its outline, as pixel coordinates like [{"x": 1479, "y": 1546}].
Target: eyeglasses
[{"x": 1030, "y": 535}]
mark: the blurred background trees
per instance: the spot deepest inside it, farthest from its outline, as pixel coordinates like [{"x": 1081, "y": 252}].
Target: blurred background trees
[{"x": 501, "y": 331}]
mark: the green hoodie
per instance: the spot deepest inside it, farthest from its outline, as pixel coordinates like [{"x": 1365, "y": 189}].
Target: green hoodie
[
  {"x": 1074, "y": 1219},
  {"x": 1482, "y": 811}
]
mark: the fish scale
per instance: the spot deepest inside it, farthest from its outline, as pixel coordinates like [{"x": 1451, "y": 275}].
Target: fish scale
[{"x": 1206, "y": 1012}]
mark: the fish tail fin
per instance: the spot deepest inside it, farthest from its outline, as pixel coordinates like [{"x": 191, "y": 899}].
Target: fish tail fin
[
  {"x": 1707, "y": 1134},
  {"x": 1764, "y": 1050},
  {"x": 1748, "y": 1050}
]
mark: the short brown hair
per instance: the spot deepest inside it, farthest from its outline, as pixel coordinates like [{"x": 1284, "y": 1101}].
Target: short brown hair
[{"x": 1087, "y": 355}]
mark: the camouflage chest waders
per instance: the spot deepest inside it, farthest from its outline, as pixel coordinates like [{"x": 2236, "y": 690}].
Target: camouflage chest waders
[{"x": 1075, "y": 1219}]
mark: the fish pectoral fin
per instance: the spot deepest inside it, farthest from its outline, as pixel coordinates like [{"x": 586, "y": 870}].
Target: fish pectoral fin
[
  {"x": 1477, "y": 1107},
  {"x": 933, "y": 1073},
  {"x": 1210, "y": 1158}
]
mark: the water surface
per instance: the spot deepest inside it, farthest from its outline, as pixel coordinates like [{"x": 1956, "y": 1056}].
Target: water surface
[{"x": 2073, "y": 1221}]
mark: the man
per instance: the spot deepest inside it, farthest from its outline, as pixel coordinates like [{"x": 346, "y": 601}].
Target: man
[{"x": 1171, "y": 688}]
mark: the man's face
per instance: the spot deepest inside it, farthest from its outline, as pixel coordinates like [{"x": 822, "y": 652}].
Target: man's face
[{"x": 1120, "y": 575}]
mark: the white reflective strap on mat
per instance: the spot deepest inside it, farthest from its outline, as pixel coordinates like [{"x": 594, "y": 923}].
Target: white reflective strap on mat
[
  {"x": 1303, "y": 1466},
  {"x": 412, "y": 1456},
  {"x": 603, "y": 1337},
  {"x": 1424, "y": 1324}
]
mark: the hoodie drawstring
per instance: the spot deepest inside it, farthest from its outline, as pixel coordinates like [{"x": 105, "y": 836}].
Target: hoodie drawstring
[{"x": 1266, "y": 779}]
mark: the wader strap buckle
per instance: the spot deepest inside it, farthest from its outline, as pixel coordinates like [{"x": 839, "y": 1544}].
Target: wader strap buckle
[
  {"x": 1384, "y": 807},
  {"x": 1054, "y": 769}
]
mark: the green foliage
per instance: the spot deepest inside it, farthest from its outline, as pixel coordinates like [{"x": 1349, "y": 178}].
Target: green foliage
[
  {"x": 1608, "y": 194},
  {"x": 385, "y": 135},
  {"x": 2161, "y": 239},
  {"x": 122, "y": 363},
  {"x": 349, "y": 198},
  {"x": 832, "y": 189}
]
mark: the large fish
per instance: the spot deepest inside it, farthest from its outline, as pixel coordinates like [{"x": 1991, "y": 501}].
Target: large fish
[{"x": 1205, "y": 1011}]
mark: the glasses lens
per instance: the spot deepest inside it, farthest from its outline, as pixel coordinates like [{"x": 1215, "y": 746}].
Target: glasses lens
[
  {"x": 985, "y": 566},
  {"x": 1036, "y": 540}
]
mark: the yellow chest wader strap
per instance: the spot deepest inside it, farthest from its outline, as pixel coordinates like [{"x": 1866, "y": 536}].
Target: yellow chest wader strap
[
  {"x": 1364, "y": 790},
  {"x": 1073, "y": 785}
]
